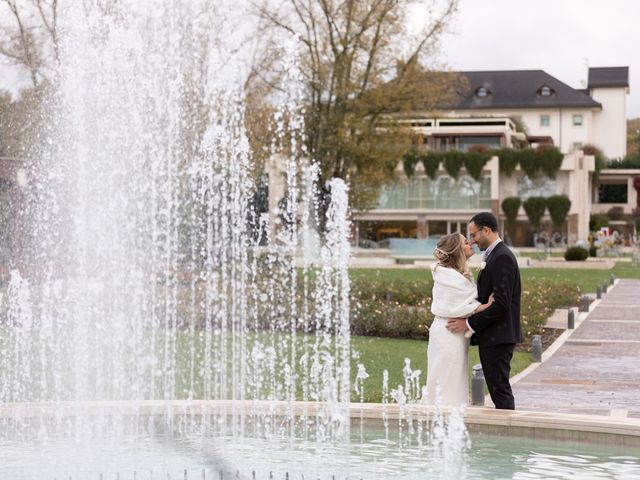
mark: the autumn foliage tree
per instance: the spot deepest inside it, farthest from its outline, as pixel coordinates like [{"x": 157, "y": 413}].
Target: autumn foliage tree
[{"x": 363, "y": 72}]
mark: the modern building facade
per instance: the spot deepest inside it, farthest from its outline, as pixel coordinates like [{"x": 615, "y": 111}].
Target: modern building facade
[{"x": 509, "y": 109}]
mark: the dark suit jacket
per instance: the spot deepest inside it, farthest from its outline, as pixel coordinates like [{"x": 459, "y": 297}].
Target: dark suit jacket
[{"x": 500, "y": 323}]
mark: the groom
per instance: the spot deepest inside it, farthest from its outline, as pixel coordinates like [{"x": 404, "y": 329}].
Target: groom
[{"x": 495, "y": 330}]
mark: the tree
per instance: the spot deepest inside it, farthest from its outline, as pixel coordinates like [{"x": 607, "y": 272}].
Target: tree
[
  {"x": 29, "y": 38},
  {"x": 20, "y": 124},
  {"x": 362, "y": 72}
]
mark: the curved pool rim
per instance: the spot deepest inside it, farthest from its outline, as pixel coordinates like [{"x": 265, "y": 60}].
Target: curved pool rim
[{"x": 615, "y": 431}]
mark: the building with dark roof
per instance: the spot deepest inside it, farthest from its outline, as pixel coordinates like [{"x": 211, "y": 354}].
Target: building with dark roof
[
  {"x": 512, "y": 109},
  {"x": 516, "y": 89},
  {"x": 549, "y": 110}
]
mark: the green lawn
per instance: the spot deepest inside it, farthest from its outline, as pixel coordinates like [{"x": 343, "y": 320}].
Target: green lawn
[
  {"x": 587, "y": 279},
  {"x": 378, "y": 354}
]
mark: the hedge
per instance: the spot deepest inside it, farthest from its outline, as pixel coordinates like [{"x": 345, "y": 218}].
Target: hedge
[{"x": 401, "y": 309}]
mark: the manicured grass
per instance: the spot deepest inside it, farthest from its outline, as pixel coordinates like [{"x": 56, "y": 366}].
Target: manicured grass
[
  {"x": 586, "y": 279},
  {"x": 375, "y": 353},
  {"x": 378, "y": 354}
]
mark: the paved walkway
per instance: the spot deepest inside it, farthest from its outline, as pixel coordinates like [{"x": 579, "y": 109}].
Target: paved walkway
[{"x": 597, "y": 369}]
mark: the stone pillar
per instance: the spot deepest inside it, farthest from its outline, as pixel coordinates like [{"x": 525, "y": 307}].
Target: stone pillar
[
  {"x": 579, "y": 168},
  {"x": 573, "y": 234},
  {"x": 422, "y": 230}
]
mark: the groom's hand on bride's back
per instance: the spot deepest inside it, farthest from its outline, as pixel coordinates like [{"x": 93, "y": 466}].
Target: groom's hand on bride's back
[{"x": 457, "y": 325}]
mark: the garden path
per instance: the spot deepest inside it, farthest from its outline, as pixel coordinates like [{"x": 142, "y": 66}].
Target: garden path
[{"x": 597, "y": 369}]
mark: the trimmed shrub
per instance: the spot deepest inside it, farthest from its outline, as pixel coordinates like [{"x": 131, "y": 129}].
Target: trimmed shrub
[
  {"x": 508, "y": 160},
  {"x": 402, "y": 309},
  {"x": 630, "y": 161},
  {"x": 453, "y": 161},
  {"x": 615, "y": 213},
  {"x": 529, "y": 162},
  {"x": 409, "y": 161},
  {"x": 559, "y": 206},
  {"x": 431, "y": 162},
  {"x": 475, "y": 161},
  {"x": 535, "y": 208},
  {"x": 510, "y": 207},
  {"x": 593, "y": 251},
  {"x": 576, "y": 254},
  {"x": 550, "y": 159},
  {"x": 596, "y": 222}
]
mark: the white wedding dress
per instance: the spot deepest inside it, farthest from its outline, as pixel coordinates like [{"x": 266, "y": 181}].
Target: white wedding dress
[{"x": 454, "y": 296}]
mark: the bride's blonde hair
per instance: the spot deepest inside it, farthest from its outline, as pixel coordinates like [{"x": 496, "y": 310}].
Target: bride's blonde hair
[{"x": 449, "y": 253}]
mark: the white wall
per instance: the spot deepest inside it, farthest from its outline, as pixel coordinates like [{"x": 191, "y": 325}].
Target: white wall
[
  {"x": 560, "y": 128},
  {"x": 610, "y": 124}
]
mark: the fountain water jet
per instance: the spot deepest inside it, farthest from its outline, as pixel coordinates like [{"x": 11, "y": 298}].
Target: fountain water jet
[
  {"x": 147, "y": 282},
  {"x": 149, "y": 306}
]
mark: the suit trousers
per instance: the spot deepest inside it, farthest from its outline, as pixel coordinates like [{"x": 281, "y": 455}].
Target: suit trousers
[{"x": 496, "y": 365}]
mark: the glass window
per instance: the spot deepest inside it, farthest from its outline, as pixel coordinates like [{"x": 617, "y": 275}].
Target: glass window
[
  {"x": 482, "y": 92},
  {"x": 576, "y": 146},
  {"x": 443, "y": 193},
  {"x": 577, "y": 120},
  {"x": 545, "y": 91},
  {"x": 541, "y": 186},
  {"x": 612, "y": 193},
  {"x": 437, "y": 228},
  {"x": 544, "y": 120},
  {"x": 464, "y": 143}
]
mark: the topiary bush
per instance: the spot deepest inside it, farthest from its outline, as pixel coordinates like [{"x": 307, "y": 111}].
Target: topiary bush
[
  {"x": 510, "y": 207},
  {"x": 453, "y": 161},
  {"x": 596, "y": 222},
  {"x": 529, "y": 162},
  {"x": 576, "y": 254},
  {"x": 550, "y": 159},
  {"x": 508, "y": 160},
  {"x": 615, "y": 213},
  {"x": 475, "y": 160},
  {"x": 409, "y": 161},
  {"x": 431, "y": 162},
  {"x": 535, "y": 207},
  {"x": 559, "y": 206}
]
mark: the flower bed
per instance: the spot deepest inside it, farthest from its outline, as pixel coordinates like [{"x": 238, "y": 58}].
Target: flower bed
[{"x": 401, "y": 309}]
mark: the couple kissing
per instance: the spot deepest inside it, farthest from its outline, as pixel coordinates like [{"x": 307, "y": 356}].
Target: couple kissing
[{"x": 487, "y": 315}]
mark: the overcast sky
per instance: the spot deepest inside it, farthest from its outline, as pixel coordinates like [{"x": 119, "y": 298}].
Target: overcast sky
[{"x": 562, "y": 37}]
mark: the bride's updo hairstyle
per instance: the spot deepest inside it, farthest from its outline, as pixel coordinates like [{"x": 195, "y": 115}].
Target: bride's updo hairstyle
[{"x": 449, "y": 253}]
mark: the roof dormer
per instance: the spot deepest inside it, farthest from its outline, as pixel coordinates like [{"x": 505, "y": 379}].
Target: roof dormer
[
  {"x": 546, "y": 91},
  {"x": 483, "y": 92}
]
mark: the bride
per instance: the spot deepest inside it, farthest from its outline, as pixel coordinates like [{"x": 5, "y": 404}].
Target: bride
[{"x": 454, "y": 296}]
